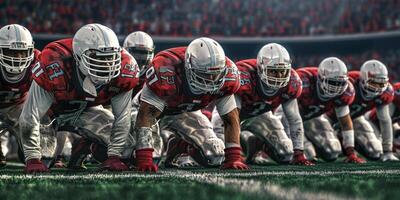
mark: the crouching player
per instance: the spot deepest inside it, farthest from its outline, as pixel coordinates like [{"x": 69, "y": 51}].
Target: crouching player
[
  {"x": 328, "y": 88},
  {"x": 184, "y": 80},
  {"x": 266, "y": 83},
  {"x": 374, "y": 92},
  {"x": 73, "y": 77}
]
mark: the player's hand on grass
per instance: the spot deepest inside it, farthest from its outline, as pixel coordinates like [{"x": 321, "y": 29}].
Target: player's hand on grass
[
  {"x": 144, "y": 160},
  {"x": 233, "y": 159},
  {"x": 114, "y": 163},
  {"x": 388, "y": 156},
  {"x": 35, "y": 166},
  {"x": 352, "y": 157},
  {"x": 300, "y": 159}
]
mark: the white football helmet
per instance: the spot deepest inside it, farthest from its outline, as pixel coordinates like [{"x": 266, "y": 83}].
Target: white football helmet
[
  {"x": 332, "y": 77},
  {"x": 97, "y": 52},
  {"x": 374, "y": 78},
  {"x": 205, "y": 65},
  {"x": 274, "y": 65},
  {"x": 16, "y": 48},
  {"x": 141, "y": 46}
]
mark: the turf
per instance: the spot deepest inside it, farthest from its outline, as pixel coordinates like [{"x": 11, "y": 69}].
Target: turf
[{"x": 373, "y": 180}]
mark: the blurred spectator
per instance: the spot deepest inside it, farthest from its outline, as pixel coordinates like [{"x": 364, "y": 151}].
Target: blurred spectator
[{"x": 244, "y": 18}]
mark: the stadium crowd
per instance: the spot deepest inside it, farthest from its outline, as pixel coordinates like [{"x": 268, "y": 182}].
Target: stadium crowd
[{"x": 246, "y": 18}]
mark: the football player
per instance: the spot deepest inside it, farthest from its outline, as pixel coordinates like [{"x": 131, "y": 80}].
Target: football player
[
  {"x": 141, "y": 46},
  {"x": 17, "y": 57},
  {"x": 328, "y": 88},
  {"x": 73, "y": 78},
  {"x": 373, "y": 91},
  {"x": 266, "y": 83},
  {"x": 179, "y": 83}
]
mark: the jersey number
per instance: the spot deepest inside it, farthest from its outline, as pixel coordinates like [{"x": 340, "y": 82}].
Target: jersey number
[{"x": 151, "y": 76}]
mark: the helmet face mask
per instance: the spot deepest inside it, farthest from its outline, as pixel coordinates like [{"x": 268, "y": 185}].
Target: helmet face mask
[
  {"x": 334, "y": 86},
  {"x": 205, "y": 66},
  {"x": 375, "y": 86},
  {"x": 102, "y": 65},
  {"x": 143, "y": 56},
  {"x": 275, "y": 75},
  {"x": 206, "y": 80}
]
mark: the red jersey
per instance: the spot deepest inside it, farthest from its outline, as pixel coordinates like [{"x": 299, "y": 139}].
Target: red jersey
[
  {"x": 16, "y": 93},
  {"x": 310, "y": 104},
  {"x": 57, "y": 73},
  {"x": 254, "y": 101},
  {"x": 166, "y": 78}
]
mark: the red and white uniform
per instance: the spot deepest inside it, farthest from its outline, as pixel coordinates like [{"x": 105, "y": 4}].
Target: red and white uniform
[
  {"x": 168, "y": 90},
  {"x": 167, "y": 84},
  {"x": 311, "y": 105},
  {"x": 253, "y": 101},
  {"x": 382, "y": 114},
  {"x": 58, "y": 87}
]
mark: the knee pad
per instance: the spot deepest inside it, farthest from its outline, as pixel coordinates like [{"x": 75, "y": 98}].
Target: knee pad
[
  {"x": 326, "y": 144},
  {"x": 368, "y": 145}
]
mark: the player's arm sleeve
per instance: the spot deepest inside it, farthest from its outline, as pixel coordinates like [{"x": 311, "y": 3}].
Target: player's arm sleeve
[
  {"x": 225, "y": 104},
  {"x": 238, "y": 101},
  {"x": 151, "y": 98},
  {"x": 36, "y": 106},
  {"x": 121, "y": 108},
  {"x": 342, "y": 111},
  {"x": 385, "y": 122},
  {"x": 291, "y": 110}
]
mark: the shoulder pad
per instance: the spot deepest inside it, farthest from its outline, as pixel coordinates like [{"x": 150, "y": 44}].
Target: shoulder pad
[
  {"x": 347, "y": 97},
  {"x": 294, "y": 87},
  {"x": 232, "y": 79},
  {"x": 387, "y": 96},
  {"x": 161, "y": 78},
  {"x": 128, "y": 79},
  {"x": 354, "y": 76},
  {"x": 50, "y": 72}
]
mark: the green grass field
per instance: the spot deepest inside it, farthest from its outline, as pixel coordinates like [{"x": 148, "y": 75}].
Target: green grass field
[{"x": 373, "y": 180}]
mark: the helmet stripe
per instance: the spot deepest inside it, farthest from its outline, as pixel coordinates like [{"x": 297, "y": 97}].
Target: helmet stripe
[
  {"x": 17, "y": 33},
  {"x": 212, "y": 53},
  {"x": 107, "y": 43}
]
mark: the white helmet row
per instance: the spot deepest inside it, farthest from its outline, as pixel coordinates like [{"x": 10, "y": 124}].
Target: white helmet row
[
  {"x": 16, "y": 48},
  {"x": 374, "y": 78},
  {"x": 141, "y": 46},
  {"x": 97, "y": 52},
  {"x": 274, "y": 65},
  {"x": 205, "y": 65},
  {"x": 332, "y": 77}
]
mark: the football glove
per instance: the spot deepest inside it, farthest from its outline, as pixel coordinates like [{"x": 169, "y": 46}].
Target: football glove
[
  {"x": 144, "y": 160},
  {"x": 35, "y": 166},
  {"x": 351, "y": 156},
  {"x": 233, "y": 159},
  {"x": 300, "y": 159},
  {"x": 113, "y": 163}
]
